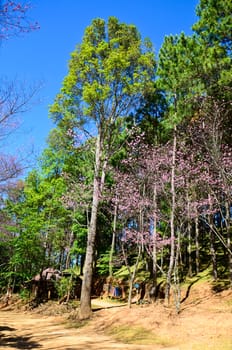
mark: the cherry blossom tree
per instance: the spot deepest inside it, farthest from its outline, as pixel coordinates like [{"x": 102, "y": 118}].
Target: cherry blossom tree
[
  {"x": 14, "y": 19},
  {"x": 139, "y": 185}
]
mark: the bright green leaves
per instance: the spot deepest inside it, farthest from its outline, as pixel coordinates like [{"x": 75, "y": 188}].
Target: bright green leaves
[
  {"x": 109, "y": 67},
  {"x": 95, "y": 33},
  {"x": 94, "y": 92}
]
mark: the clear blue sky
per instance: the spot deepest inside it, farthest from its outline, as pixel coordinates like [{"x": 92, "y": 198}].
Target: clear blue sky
[{"x": 43, "y": 55}]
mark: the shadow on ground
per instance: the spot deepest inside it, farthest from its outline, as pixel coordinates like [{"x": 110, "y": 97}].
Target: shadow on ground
[
  {"x": 6, "y": 328},
  {"x": 189, "y": 289},
  {"x": 17, "y": 342}
]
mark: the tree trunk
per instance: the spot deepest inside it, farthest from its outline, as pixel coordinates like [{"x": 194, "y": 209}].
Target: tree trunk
[
  {"x": 85, "y": 311},
  {"x": 229, "y": 245},
  {"x": 68, "y": 257},
  {"x": 197, "y": 245},
  {"x": 229, "y": 241},
  {"x": 176, "y": 277},
  {"x": 190, "y": 271},
  {"x": 172, "y": 217},
  {"x": 132, "y": 276},
  {"x": 113, "y": 242},
  {"x": 212, "y": 244},
  {"x": 213, "y": 255},
  {"x": 154, "y": 254}
]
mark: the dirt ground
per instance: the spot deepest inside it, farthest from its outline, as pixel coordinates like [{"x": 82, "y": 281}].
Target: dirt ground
[{"x": 205, "y": 322}]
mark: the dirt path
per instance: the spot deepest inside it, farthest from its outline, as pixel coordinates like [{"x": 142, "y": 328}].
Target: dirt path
[
  {"x": 204, "y": 323},
  {"x": 25, "y": 331}
]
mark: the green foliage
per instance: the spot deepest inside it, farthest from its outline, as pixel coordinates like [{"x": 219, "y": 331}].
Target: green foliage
[
  {"x": 108, "y": 72},
  {"x": 64, "y": 286},
  {"x": 27, "y": 256},
  {"x": 103, "y": 264},
  {"x": 215, "y": 22},
  {"x": 111, "y": 86},
  {"x": 191, "y": 67},
  {"x": 25, "y": 294},
  {"x": 178, "y": 70}
]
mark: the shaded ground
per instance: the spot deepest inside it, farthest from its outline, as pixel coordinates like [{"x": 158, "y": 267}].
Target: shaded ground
[
  {"x": 24, "y": 331},
  {"x": 205, "y": 322}
]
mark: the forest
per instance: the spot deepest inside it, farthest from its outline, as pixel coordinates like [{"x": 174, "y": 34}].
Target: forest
[{"x": 135, "y": 183}]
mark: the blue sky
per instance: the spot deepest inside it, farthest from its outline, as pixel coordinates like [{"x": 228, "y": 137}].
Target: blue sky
[{"x": 42, "y": 56}]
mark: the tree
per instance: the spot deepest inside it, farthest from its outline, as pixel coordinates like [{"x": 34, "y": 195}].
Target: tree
[
  {"x": 41, "y": 225},
  {"x": 214, "y": 25},
  {"x": 191, "y": 67},
  {"x": 195, "y": 75},
  {"x": 108, "y": 73}
]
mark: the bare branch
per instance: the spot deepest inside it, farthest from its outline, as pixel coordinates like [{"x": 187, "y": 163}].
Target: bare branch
[
  {"x": 15, "y": 98},
  {"x": 14, "y": 19}
]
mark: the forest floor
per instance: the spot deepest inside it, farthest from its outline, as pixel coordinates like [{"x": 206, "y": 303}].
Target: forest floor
[{"x": 204, "y": 322}]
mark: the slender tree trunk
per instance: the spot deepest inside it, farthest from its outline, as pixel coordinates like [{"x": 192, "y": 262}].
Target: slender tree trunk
[
  {"x": 190, "y": 272},
  {"x": 113, "y": 242},
  {"x": 176, "y": 277},
  {"x": 229, "y": 241},
  {"x": 229, "y": 245},
  {"x": 69, "y": 288},
  {"x": 132, "y": 276},
  {"x": 213, "y": 255},
  {"x": 141, "y": 220},
  {"x": 154, "y": 254},
  {"x": 68, "y": 257},
  {"x": 172, "y": 217},
  {"x": 85, "y": 311},
  {"x": 197, "y": 245},
  {"x": 212, "y": 246}
]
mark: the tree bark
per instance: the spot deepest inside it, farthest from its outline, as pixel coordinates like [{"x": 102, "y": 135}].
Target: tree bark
[
  {"x": 213, "y": 255},
  {"x": 172, "y": 227},
  {"x": 176, "y": 277},
  {"x": 85, "y": 310},
  {"x": 154, "y": 253},
  {"x": 212, "y": 245},
  {"x": 190, "y": 271},
  {"x": 132, "y": 276},
  {"x": 229, "y": 240},
  {"x": 113, "y": 242},
  {"x": 197, "y": 245}
]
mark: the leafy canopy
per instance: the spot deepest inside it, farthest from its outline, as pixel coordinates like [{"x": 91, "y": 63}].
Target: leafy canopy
[{"x": 108, "y": 73}]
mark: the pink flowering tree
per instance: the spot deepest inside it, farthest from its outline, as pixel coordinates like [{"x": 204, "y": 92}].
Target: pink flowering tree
[
  {"x": 14, "y": 19},
  {"x": 210, "y": 135},
  {"x": 137, "y": 192}
]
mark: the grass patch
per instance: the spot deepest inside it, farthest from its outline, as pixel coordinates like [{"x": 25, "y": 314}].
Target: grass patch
[
  {"x": 220, "y": 285},
  {"x": 141, "y": 273},
  {"x": 76, "y": 324},
  {"x": 137, "y": 335}
]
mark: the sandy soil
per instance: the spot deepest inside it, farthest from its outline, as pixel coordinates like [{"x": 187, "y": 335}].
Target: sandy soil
[{"x": 205, "y": 322}]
